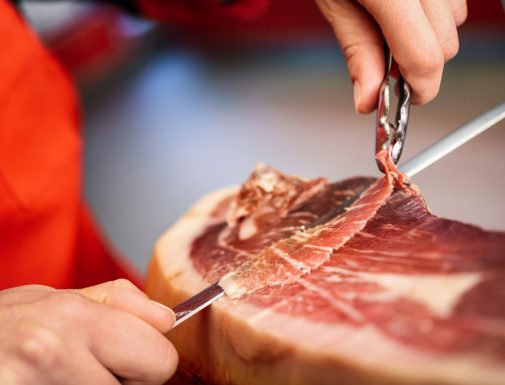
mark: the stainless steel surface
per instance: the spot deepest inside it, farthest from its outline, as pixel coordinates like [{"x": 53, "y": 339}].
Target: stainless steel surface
[
  {"x": 453, "y": 140},
  {"x": 194, "y": 304},
  {"x": 391, "y": 135}
]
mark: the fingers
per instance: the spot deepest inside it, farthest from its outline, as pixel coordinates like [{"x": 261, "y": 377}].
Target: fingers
[
  {"x": 413, "y": 43},
  {"x": 459, "y": 11},
  {"x": 50, "y": 336},
  {"x": 441, "y": 18},
  {"x": 123, "y": 295},
  {"x": 421, "y": 35},
  {"x": 47, "y": 358},
  {"x": 88, "y": 371},
  {"x": 363, "y": 48},
  {"x": 132, "y": 350}
]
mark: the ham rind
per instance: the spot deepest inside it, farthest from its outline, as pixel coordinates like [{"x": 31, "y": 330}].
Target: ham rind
[{"x": 409, "y": 298}]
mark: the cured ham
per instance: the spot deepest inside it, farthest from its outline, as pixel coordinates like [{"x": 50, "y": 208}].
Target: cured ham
[
  {"x": 353, "y": 282},
  {"x": 288, "y": 259}
]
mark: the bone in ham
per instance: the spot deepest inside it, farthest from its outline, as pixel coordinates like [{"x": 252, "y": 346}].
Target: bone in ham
[{"x": 383, "y": 293}]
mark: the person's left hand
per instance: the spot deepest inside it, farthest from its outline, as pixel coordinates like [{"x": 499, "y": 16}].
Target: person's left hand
[{"x": 108, "y": 334}]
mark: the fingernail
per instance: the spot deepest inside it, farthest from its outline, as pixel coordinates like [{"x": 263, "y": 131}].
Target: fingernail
[
  {"x": 357, "y": 95},
  {"x": 164, "y": 307}
]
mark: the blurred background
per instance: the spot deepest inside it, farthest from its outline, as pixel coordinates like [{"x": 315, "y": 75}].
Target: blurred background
[{"x": 174, "y": 110}]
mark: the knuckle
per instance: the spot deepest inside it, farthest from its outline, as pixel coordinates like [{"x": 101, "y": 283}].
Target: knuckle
[
  {"x": 450, "y": 48},
  {"x": 354, "y": 46},
  {"x": 350, "y": 51},
  {"x": 42, "y": 348},
  {"x": 460, "y": 14},
  {"x": 427, "y": 94},
  {"x": 168, "y": 360},
  {"x": 115, "y": 289},
  {"x": 70, "y": 307},
  {"x": 122, "y": 283},
  {"x": 361, "y": 57},
  {"x": 427, "y": 63}
]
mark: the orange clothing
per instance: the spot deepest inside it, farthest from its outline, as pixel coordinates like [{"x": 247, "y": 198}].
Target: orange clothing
[{"x": 46, "y": 233}]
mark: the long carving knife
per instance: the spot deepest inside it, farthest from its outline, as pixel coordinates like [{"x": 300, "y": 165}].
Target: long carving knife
[
  {"x": 453, "y": 140},
  {"x": 411, "y": 167}
]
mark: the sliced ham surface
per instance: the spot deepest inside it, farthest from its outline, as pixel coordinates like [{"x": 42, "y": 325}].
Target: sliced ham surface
[
  {"x": 290, "y": 258},
  {"x": 383, "y": 292}
]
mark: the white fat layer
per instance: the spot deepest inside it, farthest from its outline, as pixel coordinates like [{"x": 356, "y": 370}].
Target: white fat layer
[
  {"x": 248, "y": 228},
  {"x": 229, "y": 284},
  {"x": 178, "y": 239},
  {"x": 336, "y": 303},
  {"x": 439, "y": 292},
  {"x": 368, "y": 348},
  {"x": 298, "y": 265}
]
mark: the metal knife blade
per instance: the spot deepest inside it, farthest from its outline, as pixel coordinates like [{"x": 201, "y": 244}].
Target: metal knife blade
[
  {"x": 196, "y": 303},
  {"x": 453, "y": 140},
  {"x": 411, "y": 167}
]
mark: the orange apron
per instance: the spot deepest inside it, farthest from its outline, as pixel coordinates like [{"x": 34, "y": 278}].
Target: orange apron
[{"x": 46, "y": 234}]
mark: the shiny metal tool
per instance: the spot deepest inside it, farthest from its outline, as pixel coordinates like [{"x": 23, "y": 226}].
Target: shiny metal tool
[
  {"x": 196, "y": 303},
  {"x": 391, "y": 135},
  {"x": 411, "y": 167},
  {"x": 453, "y": 140}
]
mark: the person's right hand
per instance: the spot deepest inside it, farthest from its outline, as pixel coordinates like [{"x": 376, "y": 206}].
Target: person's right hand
[
  {"x": 101, "y": 335},
  {"x": 421, "y": 34}
]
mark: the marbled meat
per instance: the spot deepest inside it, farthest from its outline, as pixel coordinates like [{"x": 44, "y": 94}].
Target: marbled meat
[{"x": 381, "y": 292}]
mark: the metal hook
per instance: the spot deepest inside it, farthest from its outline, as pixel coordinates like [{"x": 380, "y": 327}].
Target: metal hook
[{"x": 388, "y": 135}]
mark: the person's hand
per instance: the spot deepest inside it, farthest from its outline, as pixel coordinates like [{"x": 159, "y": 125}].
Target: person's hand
[
  {"x": 421, "y": 35},
  {"x": 101, "y": 335}
]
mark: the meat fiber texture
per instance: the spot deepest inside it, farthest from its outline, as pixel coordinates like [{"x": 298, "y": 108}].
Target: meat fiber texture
[{"x": 353, "y": 282}]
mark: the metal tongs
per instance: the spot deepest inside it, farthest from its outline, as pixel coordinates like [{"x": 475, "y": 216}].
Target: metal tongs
[{"x": 391, "y": 135}]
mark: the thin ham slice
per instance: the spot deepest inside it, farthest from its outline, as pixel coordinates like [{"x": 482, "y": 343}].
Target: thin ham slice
[
  {"x": 288, "y": 259},
  {"x": 382, "y": 293}
]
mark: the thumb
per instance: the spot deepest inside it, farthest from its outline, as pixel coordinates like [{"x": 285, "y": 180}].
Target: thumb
[
  {"x": 123, "y": 295},
  {"x": 362, "y": 44}
]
